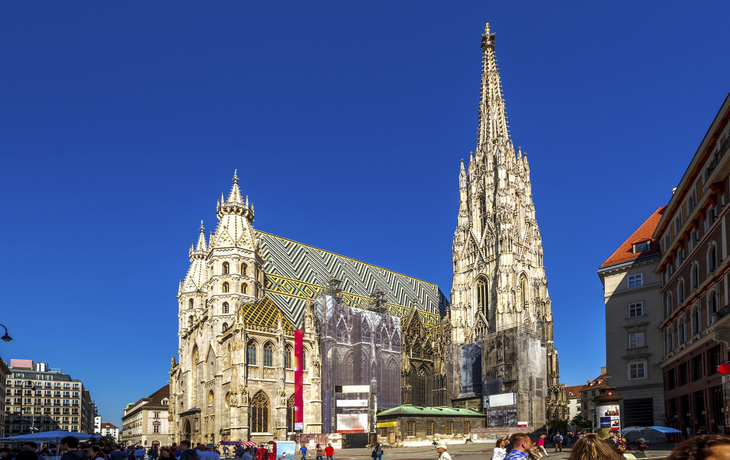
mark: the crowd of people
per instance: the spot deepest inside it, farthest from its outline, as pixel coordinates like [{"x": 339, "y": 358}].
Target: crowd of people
[
  {"x": 70, "y": 448},
  {"x": 520, "y": 446}
]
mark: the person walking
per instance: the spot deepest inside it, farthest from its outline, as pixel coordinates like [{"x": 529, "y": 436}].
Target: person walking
[
  {"x": 303, "y": 450},
  {"x": 541, "y": 445},
  {"x": 558, "y": 440},
  {"x": 499, "y": 451},
  {"x": 329, "y": 451},
  {"x": 318, "y": 452},
  {"x": 378, "y": 451}
]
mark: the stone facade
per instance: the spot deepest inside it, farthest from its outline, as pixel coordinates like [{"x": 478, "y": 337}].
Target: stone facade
[
  {"x": 694, "y": 269},
  {"x": 146, "y": 422},
  {"x": 633, "y": 315},
  {"x": 499, "y": 280}
]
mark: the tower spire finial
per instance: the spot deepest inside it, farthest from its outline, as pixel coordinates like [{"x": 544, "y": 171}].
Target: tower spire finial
[{"x": 492, "y": 114}]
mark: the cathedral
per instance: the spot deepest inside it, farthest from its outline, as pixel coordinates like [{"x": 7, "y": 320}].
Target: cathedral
[{"x": 246, "y": 291}]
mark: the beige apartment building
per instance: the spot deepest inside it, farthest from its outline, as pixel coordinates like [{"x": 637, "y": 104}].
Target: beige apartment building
[
  {"x": 38, "y": 398},
  {"x": 634, "y": 348},
  {"x": 145, "y": 422},
  {"x": 694, "y": 268}
]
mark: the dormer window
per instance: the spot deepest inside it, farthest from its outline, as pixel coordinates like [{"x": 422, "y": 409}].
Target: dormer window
[{"x": 642, "y": 246}]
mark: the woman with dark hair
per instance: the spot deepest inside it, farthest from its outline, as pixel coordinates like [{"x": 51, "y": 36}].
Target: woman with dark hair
[
  {"x": 591, "y": 447},
  {"x": 703, "y": 447},
  {"x": 94, "y": 452},
  {"x": 499, "y": 451}
]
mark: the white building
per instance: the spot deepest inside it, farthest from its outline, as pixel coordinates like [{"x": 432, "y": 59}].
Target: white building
[{"x": 109, "y": 429}]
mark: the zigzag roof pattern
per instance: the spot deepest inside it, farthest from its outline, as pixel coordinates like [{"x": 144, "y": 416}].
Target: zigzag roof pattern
[{"x": 296, "y": 272}]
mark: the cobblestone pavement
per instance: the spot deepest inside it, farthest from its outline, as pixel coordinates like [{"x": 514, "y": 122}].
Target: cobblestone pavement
[{"x": 478, "y": 451}]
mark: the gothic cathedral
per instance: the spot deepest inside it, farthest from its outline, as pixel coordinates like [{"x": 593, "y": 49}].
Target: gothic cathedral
[{"x": 246, "y": 291}]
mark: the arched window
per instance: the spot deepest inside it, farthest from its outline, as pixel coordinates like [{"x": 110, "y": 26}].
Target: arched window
[
  {"x": 225, "y": 307},
  {"x": 342, "y": 335},
  {"x": 268, "y": 354},
  {"x": 365, "y": 332},
  {"x": 304, "y": 360},
  {"x": 190, "y": 321},
  {"x": 287, "y": 358},
  {"x": 260, "y": 413},
  {"x": 224, "y": 327},
  {"x": 680, "y": 291},
  {"x": 670, "y": 340},
  {"x": 680, "y": 331},
  {"x": 226, "y": 287},
  {"x": 483, "y": 296},
  {"x": 695, "y": 320},
  {"x": 670, "y": 304},
  {"x": 695, "y": 276},
  {"x": 211, "y": 397},
  {"x": 523, "y": 292},
  {"x": 244, "y": 288},
  {"x": 712, "y": 306},
  {"x": 226, "y": 268},
  {"x": 290, "y": 414},
  {"x": 251, "y": 353},
  {"x": 191, "y": 304},
  {"x": 243, "y": 269},
  {"x": 712, "y": 257}
]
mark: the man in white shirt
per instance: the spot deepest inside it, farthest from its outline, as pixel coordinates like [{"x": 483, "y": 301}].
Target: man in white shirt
[{"x": 443, "y": 455}]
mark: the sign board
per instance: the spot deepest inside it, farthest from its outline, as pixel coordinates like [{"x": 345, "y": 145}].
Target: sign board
[
  {"x": 386, "y": 424},
  {"x": 521, "y": 423},
  {"x": 356, "y": 388},
  {"x": 298, "y": 426},
  {"x": 352, "y": 403},
  {"x": 504, "y": 399},
  {"x": 352, "y": 423}
]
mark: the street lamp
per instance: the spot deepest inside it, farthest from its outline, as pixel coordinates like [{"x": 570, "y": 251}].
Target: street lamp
[
  {"x": 593, "y": 416},
  {"x": 6, "y": 337}
]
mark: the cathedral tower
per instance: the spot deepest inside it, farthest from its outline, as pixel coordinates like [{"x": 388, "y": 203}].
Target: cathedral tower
[{"x": 499, "y": 280}]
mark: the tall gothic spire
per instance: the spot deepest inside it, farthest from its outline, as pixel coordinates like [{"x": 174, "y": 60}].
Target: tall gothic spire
[{"x": 492, "y": 114}]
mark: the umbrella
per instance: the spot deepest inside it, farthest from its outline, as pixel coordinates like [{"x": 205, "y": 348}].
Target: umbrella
[{"x": 47, "y": 436}]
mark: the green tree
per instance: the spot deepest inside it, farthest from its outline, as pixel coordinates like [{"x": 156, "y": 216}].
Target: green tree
[{"x": 581, "y": 422}]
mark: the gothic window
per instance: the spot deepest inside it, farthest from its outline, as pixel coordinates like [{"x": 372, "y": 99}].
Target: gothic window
[
  {"x": 191, "y": 304},
  {"x": 342, "y": 335},
  {"x": 268, "y": 354},
  {"x": 226, "y": 287},
  {"x": 365, "y": 332},
  {"x": 225, "y": 307},
  {"x": 396, "y": 342},
  {"x": 523, "y": 292},
  {"x": 287, "y": 358},
  {"x": 224, "y": 327},
  {"x": 304, "y": 360},
  {"x": 260, "y": 413},
  {"x": 483, "y": 296},
  {"x": 226, "y": 268},
  {"x": 418, "y": 385},
  {"x": 243, "y": 269},
  {"x": 251, "y": 353},
  {"x": 190, "y": 321},
  {"x": 290, "y": 417},
  {"x": 244, "y": 288},
  {"x": 211, "y": 397},
  {"x": 483, "y": 212}
]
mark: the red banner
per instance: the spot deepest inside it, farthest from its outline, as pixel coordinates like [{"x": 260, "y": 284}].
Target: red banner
[{"x": 298, "y": 380}]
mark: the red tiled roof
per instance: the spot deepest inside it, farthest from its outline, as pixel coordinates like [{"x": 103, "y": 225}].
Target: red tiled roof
[
  {"x": 108, "y": 426},
  {"x": 625, "y": 252},
  {"x": 573, "y": 392}
]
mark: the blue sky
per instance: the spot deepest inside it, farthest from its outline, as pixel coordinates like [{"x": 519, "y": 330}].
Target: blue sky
[{"x": 122, "y": 122}]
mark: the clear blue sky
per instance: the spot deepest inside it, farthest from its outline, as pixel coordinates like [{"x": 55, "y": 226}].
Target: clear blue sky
[{"x": 122, "y": 122}]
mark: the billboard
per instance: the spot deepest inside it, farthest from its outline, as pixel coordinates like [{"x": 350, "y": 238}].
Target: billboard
[
  {"x": 352, "y": 423},
  {"x": 504, "y": 399}
]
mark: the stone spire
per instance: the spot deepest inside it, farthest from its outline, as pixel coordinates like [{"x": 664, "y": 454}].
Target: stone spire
[
  {"x": 197, "y": 274},
  {"x": 235, "y": 205},
  {"x": 492, "y": 114}
]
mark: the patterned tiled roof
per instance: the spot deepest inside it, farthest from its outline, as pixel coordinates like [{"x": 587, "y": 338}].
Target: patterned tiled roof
[
  {"x": 296, "y": 272},
  {"x": 265, "y": 313},
  {"x": 644, "y": 233}
]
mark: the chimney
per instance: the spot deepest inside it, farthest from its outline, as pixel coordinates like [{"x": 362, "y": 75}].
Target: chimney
[{"x": 603, "y": 370}]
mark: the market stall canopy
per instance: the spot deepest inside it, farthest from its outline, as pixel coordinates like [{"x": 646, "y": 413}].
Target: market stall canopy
[
  {"x": 48, "y": 436},
  {"x": 661, "y": 429}
]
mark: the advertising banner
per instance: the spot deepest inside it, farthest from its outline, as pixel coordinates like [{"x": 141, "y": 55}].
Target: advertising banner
[
  {"x": 298, "y": 380},
  {"x": 609, "y": 418}
]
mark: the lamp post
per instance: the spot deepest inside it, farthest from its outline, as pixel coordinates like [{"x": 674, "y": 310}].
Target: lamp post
[
  {"x": 593, "y": 416},
  {"x": 6, "y": 337}
]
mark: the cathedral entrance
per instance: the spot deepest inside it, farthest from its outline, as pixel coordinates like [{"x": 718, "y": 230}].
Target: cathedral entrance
[{"x": 186, "y": 430}]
